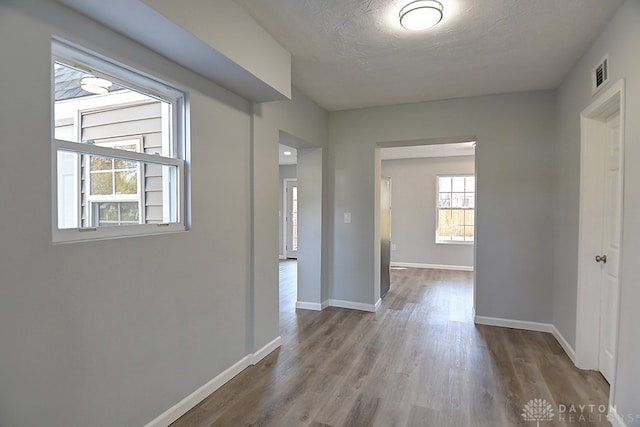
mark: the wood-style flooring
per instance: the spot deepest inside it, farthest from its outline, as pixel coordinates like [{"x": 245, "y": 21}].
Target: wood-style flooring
[{"x": 418, "y": 361}]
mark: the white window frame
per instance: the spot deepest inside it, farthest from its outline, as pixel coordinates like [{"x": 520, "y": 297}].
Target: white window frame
[
  {"x": 177, "y": 159},
  {"x": 438, "y": 238}
]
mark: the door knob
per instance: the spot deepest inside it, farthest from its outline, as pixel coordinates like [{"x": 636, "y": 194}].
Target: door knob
[{"x": 602, "y": 259}]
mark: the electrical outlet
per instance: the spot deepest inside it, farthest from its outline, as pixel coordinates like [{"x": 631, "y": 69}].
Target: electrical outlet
[{"x": 347, "y": 217}]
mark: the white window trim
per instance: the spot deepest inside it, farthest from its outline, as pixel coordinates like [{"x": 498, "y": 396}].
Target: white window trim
[
  {"x": 166, "y": 184},
  {"x": 80, "y": 58},
  {"x": 438, "y": 240},
  {"x": 454, "y": 242}
]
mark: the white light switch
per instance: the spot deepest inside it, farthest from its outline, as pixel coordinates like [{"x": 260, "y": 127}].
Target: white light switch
[
  {"x": 347, "y": 217},
  {"x": 393, "y": 246}
]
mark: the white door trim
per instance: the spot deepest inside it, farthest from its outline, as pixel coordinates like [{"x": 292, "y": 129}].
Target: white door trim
[{"x": 592, "y": 129}]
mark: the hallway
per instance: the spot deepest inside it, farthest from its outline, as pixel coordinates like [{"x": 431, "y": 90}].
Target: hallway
[{"x": 418, "y": 361}]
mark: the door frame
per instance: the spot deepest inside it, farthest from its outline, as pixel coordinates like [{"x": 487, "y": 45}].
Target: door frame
[
  {"x": 285, "y": 228},
  {"x": 593, "y": 124},
  {"x": 385, "y": 266}
]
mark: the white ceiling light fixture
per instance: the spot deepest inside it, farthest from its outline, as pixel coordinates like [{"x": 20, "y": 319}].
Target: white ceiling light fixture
[
  {"x": 287, "y": 153},
  {"x": 421, "y": 14},
  {"x": 96, "y": 85}
]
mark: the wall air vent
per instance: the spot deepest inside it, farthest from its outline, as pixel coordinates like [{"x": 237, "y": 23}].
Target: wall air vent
[{"x": 600, "y": 74}]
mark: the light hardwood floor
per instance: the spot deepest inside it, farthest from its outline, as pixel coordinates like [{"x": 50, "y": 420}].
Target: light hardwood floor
[{"x": 418, "y": 361}]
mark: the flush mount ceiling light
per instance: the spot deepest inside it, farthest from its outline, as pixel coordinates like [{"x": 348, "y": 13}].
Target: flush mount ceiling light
[
  {"x": 93, "y": 84},
  {"x": 287, "y": 153},
  {"x": 421, "y": 14}
]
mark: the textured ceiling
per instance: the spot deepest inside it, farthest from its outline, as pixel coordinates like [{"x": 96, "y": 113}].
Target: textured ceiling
[{"x": 353, "y": 53}]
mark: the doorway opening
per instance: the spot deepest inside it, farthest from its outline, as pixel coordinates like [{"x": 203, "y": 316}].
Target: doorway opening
[
  {"x": 288, "y": 230},
  {"x": 431, "y": 209},
  {"x": 600, "y": 233},
  {"x": 288, "y": 218},
  {"x": 302, "y": 218}
]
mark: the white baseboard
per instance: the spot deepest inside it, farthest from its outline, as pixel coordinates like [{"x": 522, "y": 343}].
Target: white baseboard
[
  {"x": 434, "y": 266},
  {"x": 339, "y": 304},
  {"x": 256, "y": 357},
  {"x": 186, "y": 404},
  {"x": 315, "y": 306},
  {"x": 353, "y": 305},
  {"x": 182, "y": 407},
  {"x": 564, "y": 344},
  {"x": 529, "y": 326},
  {"x": 614, "y": 418},
  {"x": 515, "y": 324}
]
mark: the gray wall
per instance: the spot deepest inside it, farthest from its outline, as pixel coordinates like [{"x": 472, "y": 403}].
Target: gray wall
[
  {"x": 515, "y": 135},
  {"x": 413, "y": 207},
  {"x": 620, "y": 41},
  {"x": 113, "y": 332},
  {"x": 310, "y": 226},
  {"x": 285, "y": 172},
  {"x": 116, "y": 332}
]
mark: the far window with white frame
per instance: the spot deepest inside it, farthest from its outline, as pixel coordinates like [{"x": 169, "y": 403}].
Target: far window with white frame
[
  {"x": 119, "y": 147},
  {"x": 455, "y": 206}
]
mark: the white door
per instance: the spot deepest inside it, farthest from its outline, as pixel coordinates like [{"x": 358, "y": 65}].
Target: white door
[
  {"x": 291, "y": 219},
  {"x": 610, "y": 258}
]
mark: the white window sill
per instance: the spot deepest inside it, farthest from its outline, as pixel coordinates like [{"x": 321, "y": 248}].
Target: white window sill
[
  {"x": 117, "y": 232},
  {"x": 455, "y": 242}
]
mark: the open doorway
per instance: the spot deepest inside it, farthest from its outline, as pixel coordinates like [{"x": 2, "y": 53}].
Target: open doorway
[
  {"x": 432, "y": 196},
  {"x": 290, "y": 219},
  {"x": 288, "y": 223},
  {"x": 302, "y": 213},
  {"x": 288, "y": 231}
]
